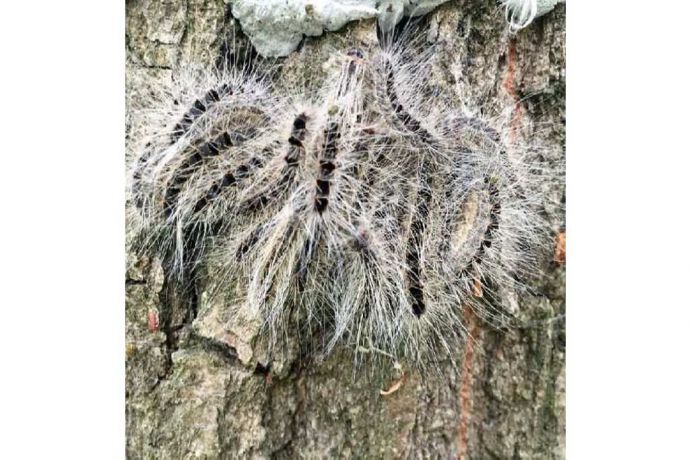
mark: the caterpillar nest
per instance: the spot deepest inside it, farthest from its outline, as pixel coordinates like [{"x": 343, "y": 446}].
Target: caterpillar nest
[{"x": 363, "y": 211}]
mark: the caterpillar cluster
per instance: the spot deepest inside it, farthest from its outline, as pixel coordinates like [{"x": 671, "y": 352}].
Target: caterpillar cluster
[{"x": 364, "y": 210}]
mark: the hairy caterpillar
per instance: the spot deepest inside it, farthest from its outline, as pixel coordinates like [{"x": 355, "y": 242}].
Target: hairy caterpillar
[{"x": 367, "y": 211}]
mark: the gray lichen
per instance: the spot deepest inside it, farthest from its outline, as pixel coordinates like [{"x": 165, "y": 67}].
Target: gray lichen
[{"x": 276, "y": 27}]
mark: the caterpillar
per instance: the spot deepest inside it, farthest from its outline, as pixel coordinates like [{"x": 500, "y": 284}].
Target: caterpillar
[{"x": 367, "y": 212}]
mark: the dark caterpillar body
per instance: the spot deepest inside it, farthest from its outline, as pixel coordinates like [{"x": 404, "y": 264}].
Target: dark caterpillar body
[
  {"x": 190, "y": 166},
  {"x": 324, "y": 179},
  {"x": 490, "y": 185},
  {"x": 199, "y": 107},
  {"x": 246, "y": 118},
  {"x": 409, "y": 122},
  {"x": 424, "y": 193},
  {"x": 487, "y": 224},
  {"x": 417, "y": 229},
  {"x": 470, "y": 226},
  {"x": 332, "y": 132},
  {"x": 230, "y": 179},
  {"x": 292, "y": 158},
  {"x": 356, "y": 56},
  {"x": 250, "y": 241},
  {"x": 493, "y": 226},
  {"x": 326, "y": 166}
]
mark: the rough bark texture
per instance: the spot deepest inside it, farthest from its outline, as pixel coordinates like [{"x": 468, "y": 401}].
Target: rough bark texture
[{"x": 196, "y": 390}]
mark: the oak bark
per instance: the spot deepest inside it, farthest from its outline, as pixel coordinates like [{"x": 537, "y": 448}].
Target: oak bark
[{"x": 190, "y": 395}]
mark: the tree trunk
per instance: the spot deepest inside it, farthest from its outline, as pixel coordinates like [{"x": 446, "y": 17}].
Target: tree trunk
[{"x": 195, "y": 390}]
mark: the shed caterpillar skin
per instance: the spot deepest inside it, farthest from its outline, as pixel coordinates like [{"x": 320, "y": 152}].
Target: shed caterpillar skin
[
  {"x": 364, "y": 210},
  {"x": 521, "y": 13}
]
